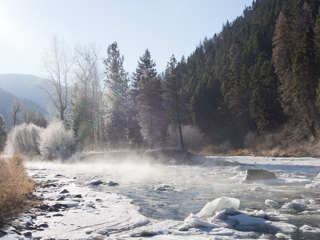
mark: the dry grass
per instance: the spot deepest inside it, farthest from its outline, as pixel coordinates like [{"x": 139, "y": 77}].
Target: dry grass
[{"x": 14, "y": 185}]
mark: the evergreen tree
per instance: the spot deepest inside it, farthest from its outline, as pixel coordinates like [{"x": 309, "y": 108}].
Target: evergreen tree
[
  {"x": 174, "y": 99},
  {"x": 116, "y": 84},
  {"x": 150, "y": 105},
  {"x": 133, "y": 129},
  {"x": 264, "y": 105},
  {"x": 79, "y": 115},
  {"x": 303, "y": 19},
  {"x": 283, "y": 57},
  {"x": 305, "y": 73},
  {"x": 40, "y": 120},
  {"x": 3, "y": 134}
]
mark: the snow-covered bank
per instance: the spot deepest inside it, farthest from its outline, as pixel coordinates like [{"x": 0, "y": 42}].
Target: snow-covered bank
[
  {"x": 76, "y": 209},
  {"x": 70, "y": 211}
]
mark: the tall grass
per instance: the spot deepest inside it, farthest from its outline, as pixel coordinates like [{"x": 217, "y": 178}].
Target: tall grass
[{"x": 14, "y": 185}]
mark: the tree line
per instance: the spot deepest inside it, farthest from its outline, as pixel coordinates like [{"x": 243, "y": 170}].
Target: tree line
[
  {"x": 257, "y": 76},
  {"x": 106, "y": 107}
]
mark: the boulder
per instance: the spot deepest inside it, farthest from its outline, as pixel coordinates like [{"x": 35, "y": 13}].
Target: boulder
[
  {"x": 97, "y": 183},
  {"x": 259, "y": 174}
]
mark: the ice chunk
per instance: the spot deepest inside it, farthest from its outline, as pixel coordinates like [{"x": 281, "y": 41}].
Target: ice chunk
[
  {"x": 195, "y": 221},
  {"x": 225, "y": 213},
  {"x": 271, "y": 203},
  {"x": 245, "y": 220},
  {"x": 217, "y": 205},
  {"x": 313, "y": 185},
  {"x": 255, "y": 189},
  {"x": 309, "y": 229},
  {"x": 294, "y": 206},
  {"x": 282, "y": 236},
  {"x": 272, "y": 216}
]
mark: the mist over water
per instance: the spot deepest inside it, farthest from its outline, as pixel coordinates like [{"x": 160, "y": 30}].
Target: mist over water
[{"x": 190, "y": 187}]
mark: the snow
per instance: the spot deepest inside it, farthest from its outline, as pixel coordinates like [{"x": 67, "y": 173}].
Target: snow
[
  {"x": 309, "y": 229},
  {"x": 281, "y": 181},
  {"x": 313, "y": 185},
  {"x": 272, "y": 204},
  {"x": 195, "y": 221},
  {"x": 282, "y": 236},
  {"x": 294, "y": 206},
  {"x": 217, "y": 205},
  {"x": 99, "y": 212}
]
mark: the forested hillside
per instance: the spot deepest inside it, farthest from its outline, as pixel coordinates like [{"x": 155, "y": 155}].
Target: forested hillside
[{"x": 259, "y": 75}]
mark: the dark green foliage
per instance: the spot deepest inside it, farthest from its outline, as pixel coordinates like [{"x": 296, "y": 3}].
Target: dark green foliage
[
  {"x": 305, "y": 77},
  {"x": 175, "y": 97},
  {"x": 147, "y": 92},
  {"x": 80, "y": 115},
  {"x": 248, "y": 77}
]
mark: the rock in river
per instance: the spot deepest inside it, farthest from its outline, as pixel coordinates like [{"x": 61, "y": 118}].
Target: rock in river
[{"x": 259, "y": 174}]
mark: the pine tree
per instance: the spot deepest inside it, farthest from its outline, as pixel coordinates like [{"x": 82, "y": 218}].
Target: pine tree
[
  {"x": 3, "y": 134},
  {"x": 77, "y": 114},
  {"x": 40, "y": 120},
  {"x": 174, "y": 99},
  {"x": 283, "y": 57},
  {"x": 150, "y": 104},
  {"x": 305, "y": 75},
  {"x": 317, "y": 52},
  {"x": 116, "y": 84},
  {"x": 303, "y": 19}
]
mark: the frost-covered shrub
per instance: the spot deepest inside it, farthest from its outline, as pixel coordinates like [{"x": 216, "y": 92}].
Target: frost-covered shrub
[
  {"x": 56, "y": 141},
  {"x": 193, "y": 138},
  {"x": 24, "y": 139},
  {"x": 251, "y": 141}
]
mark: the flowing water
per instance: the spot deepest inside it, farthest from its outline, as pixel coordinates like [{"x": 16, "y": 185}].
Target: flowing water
[{"x": 189, "y": 187}]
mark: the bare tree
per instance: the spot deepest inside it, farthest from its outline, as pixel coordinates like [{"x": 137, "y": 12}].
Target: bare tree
[
  {"x": 86, "y": 95},
  {"x": 57, "y": 63},
  {"x": 14, "y": 111}
]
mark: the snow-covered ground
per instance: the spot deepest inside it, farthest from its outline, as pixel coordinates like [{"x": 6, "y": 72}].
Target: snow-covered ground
[{"x": 126, "y": 199}]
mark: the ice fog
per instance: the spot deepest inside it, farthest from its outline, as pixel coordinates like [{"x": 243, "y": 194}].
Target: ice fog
[{"x": 129, "y": 196}]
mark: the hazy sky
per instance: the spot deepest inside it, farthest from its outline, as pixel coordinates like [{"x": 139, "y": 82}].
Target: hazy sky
[{"x": 165, "y": 27}]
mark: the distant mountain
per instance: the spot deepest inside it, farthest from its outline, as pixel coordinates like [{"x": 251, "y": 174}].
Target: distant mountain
[
  {"x": 24, "y": 86},
  {"x": 6, "y": 101}
]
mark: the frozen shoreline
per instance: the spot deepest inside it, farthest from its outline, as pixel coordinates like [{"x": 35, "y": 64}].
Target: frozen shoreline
[{"x": 86, "y": 213}]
